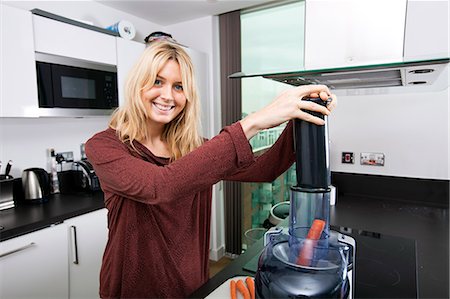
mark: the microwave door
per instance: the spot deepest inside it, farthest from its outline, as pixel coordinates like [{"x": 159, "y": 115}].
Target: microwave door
[
  {"x": 45, "y": 86},
  {"x": 75, "y": 87}
]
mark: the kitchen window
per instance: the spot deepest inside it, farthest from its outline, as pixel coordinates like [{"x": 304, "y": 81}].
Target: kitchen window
[{"x": 272, "y": 40}]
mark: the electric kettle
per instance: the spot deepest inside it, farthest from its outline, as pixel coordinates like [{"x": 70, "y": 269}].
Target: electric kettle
[{"x": 35, "y": 184}]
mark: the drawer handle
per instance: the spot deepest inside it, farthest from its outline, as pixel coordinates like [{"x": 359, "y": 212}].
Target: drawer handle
[
  {"x": 17, "y": 250},
  {"x": 73, "y": 237}
]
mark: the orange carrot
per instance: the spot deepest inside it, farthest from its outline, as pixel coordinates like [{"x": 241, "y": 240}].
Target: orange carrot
[
  {"x": 243, "y": 289},
  {"x": 233, "y": 289},
  {"x": 316, "y": 229},
  {"x": 307, "y": 251},
  {"x": 251, "y": 286}
]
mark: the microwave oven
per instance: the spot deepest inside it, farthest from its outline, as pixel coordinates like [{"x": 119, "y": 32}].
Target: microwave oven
[{"x": 69, "y": 86}]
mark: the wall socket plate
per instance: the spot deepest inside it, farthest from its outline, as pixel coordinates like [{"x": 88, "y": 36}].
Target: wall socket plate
[
  {"x": 373, "y": 159},
  {"x": 67, "y": 156}
]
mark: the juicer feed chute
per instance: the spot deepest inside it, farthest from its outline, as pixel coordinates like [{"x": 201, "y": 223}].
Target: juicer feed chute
[{"x": 307, "y": 260}]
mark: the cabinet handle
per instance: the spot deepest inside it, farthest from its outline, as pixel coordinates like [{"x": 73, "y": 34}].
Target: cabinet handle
[
  {"x": 73, "y": 239},
  {"x": 17, "y": 249}
]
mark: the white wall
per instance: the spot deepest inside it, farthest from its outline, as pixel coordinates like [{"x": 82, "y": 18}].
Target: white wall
[
  {"x": 411, "y": 128},
  {"x": 25, "y": 140}
]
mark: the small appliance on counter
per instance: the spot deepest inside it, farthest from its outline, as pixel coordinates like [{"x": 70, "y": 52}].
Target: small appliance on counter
[
  {"x": 308, "y": 260},
  {"x": 6, "y": 188},
  {"x": 36, "y": 185}
]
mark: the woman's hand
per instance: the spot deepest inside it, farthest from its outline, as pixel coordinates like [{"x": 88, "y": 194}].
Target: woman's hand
[{"x": 289, "y": 105}]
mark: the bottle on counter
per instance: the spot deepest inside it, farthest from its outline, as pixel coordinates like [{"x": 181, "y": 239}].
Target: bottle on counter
[{"x": 51, "y": 165}]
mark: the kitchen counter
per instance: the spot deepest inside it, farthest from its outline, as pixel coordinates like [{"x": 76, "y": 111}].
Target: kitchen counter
[
  {"x": 410, "y": 241},
  {"x": 425, "y": 228},
  {"x": 29, "y": 217},
  {"x": 385, "y": 266}
]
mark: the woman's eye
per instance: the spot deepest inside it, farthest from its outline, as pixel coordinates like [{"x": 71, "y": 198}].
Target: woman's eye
[
  {"x": 157, "y": 82},
  {"x": 179, "y": 87}
]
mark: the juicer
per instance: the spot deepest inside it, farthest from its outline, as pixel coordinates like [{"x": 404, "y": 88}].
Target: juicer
[{"x": 307, "y": 259}]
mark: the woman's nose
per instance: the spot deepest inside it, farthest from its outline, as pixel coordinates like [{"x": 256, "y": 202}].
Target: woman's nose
[{"x": 166, "y": 92}]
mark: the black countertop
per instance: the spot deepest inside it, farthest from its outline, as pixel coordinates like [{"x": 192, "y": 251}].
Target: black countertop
[
  {"x": 409, "y": 241},
  {"x": 389, "y": 222},
  {"x": 385, "y": 266},
  {"x": 28, "y": 217}
]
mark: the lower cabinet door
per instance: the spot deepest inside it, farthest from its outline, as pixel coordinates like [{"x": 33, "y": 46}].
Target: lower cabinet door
[
  {"x": 35, "y": 265},
  {"x": 88, "y": 234}
]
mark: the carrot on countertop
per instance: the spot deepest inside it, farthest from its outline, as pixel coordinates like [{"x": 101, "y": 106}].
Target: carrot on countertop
[
  {"x": 243, "y": 289},
  {"x": 306, "y": 253},
  {"x": 233, "y": 289},
  {"x": 251, "y": 286}
]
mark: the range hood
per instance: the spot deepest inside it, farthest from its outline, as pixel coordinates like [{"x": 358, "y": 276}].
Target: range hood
[{"x": 406, "y": 73}]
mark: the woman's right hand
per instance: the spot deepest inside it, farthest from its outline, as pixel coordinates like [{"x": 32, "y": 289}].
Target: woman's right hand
[{"x": 289, "y": 105}]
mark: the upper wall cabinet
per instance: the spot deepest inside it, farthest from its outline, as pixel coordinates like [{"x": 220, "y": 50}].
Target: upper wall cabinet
[
  {"x": 18, "y": 71},
  {"x": 427, "y": 30},
  {"x": 272, "y": 39},
  {"x": 127, "y": 54},
  {"x": 353, "y": 32},
  {"x": 62, "y": 39}
]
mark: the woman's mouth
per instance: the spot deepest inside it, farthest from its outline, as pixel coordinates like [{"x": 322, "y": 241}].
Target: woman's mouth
[{"x": 164, "y": 108}]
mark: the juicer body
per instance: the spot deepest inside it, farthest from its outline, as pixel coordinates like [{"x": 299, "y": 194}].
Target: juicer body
[
  {"x": 307, "y": 260},
  {"x": 304, "y": 282}
]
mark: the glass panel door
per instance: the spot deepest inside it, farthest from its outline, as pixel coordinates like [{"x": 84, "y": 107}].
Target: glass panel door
[{"x": 272, "y": 39}]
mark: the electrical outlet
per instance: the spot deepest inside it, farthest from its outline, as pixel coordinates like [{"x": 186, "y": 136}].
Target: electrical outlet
[
  {"x": 374, "y": 159},
  {"x": 65, "y": 156},
  {"x": 347, "y": 158}
]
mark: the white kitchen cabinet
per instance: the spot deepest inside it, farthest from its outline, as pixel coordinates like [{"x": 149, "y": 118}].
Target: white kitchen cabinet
[
  {"x": 35, "y": 265},
  {"x": 127, "y": 54},
  {"x": 427, "y": 30},
  {"x": 62, "y": 39},
  {"x": 88, "y": 234},
  {"x": 62, "y": 261},
  {"x": 353, "y": 32},
  {"x": 18, "y": 92}
]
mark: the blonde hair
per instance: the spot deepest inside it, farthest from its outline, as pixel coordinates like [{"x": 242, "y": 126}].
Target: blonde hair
[{"x": 183, "y": 133}]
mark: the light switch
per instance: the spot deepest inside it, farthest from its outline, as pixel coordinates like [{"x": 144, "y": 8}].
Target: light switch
[{"x": 347, "y": 158}]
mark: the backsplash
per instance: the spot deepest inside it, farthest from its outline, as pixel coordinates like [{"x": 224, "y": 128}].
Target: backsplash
[
  {"x": 25, "y": 140},
  {"x": 428, "y": 192}
]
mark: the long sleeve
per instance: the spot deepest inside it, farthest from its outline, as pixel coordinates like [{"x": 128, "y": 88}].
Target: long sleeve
[
  {"x": 272, "y": 163},
  {"x": 128, "y": 175}
]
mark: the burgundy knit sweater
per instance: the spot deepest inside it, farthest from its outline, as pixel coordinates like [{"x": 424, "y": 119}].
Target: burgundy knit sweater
[{"x": 159, "y": 212}]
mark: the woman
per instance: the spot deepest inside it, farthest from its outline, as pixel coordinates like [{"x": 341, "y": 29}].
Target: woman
[{"x": 157, "y": 173}]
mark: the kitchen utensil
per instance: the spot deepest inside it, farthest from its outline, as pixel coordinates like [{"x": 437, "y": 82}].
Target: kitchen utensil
[
  {"x": 35, "y": 184},
  {"x": 8, "y": 168}
]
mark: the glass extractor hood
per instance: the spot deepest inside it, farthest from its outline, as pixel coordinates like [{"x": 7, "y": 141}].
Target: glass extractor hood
[{"x": 406, "y": 73}]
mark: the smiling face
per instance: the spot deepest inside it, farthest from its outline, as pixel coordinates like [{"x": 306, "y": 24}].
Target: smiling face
[{"x": 165, "y": 100}]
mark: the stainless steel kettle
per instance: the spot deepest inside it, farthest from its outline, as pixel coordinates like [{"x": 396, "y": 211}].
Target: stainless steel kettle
[{"x": 36, "y": 184}]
